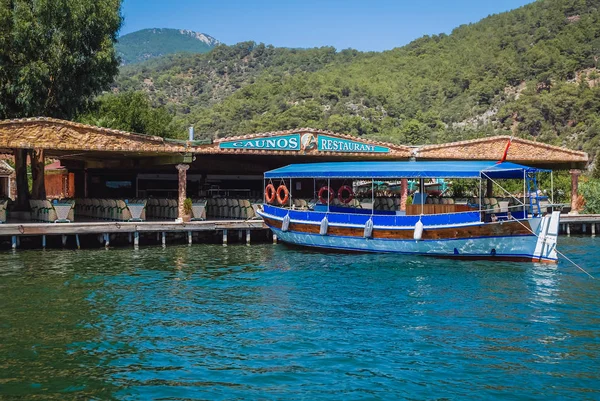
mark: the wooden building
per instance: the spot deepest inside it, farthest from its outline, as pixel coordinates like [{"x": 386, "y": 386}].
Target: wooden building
[{"x": 105, "y": 163}]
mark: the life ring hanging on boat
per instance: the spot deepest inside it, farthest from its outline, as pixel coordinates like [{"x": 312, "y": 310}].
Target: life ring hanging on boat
[
  {"x": 286, "y": 194},
  {"x": 340, "y": 194},
  {"x": 270, "y": 193},
  {"x": 326, "y": 189}
]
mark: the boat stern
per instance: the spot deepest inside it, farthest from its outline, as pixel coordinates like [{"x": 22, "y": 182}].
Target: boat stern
[{"x": 547, "y": 236}]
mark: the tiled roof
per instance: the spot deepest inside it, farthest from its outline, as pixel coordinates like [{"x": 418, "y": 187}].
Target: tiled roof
[{"x": 5, "y": 168}]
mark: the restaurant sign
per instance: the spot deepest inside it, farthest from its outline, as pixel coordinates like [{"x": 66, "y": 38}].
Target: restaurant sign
[
  {"x": 332, "y": 144},
  {"x": 283, "y": 142},
  {"x": 307, "y": 142}
]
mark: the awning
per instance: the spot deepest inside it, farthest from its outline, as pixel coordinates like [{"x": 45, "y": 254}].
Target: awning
[{"x": 411, "y": 169}]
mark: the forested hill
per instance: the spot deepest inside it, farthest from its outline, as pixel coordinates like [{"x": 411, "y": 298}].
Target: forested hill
[
  {"x": 531, "y": 71},
  {"x": 143, "y": 45}
]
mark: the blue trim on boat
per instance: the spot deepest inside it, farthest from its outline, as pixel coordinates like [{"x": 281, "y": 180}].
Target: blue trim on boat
[{"x": 378, "y": 220}]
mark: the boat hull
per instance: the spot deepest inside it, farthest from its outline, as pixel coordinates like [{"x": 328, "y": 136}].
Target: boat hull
[{"x": 528, "y": 240}]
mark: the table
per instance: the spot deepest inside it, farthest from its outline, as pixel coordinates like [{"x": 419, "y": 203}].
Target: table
[
  {"x": 62, "y": 212},
  {"x": 136, "y": 210}
]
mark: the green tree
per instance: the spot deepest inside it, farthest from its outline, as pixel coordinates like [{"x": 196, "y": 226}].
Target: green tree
[
  {"x": 55, "y": 55},
  {"x": 131, "y": 111}
]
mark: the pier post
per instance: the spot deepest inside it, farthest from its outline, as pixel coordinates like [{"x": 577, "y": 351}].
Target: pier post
[
  {"x": 38, "y": 162},
  {"x": 583, "y": 228},
  {"x": 164, "y": 239},
  {"x": 593, "y": 229},
  {"x": 224, "y": 237},
  {"x": 568, "y": 229},
  {"x": 182, "y": 177},
  {"x": 77, "y": 241},
  {"x": 129, "y": 236},
  {"x": 240, "y": 235},
  {"x": 64, "y": 240},
  {"x": 136, "y": 239},
  {"x": 189, "y": 238},
  {"x": 43, "y": 242},
  {"x": 274, "y": 238},
  {"x": 14, "y": 242},
  {"x": 574, "y": 191},
  {"x": 106, "y": 240},
  {"x": 404, "y": 193},
  {"x": 247, "y": 237}
]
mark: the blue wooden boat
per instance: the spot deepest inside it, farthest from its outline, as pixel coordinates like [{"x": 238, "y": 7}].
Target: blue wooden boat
[{"x": 522, "y": 232}]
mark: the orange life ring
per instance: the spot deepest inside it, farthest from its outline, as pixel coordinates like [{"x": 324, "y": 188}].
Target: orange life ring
[
  {"x": 329, "y": 190},
  {"x": 270, "y": 193},
  {"x": 348, "y": 189},
  {"x": 286, "y": 197}
]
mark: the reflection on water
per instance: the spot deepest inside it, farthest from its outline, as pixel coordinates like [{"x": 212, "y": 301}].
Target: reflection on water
[{"x": 213, "y": 322}]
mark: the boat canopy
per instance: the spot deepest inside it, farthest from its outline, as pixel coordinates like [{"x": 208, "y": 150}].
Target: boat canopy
[{"x": 408, "y": 169}]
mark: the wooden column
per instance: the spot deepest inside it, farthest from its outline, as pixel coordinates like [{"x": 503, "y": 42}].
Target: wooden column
[
  {"x": 489, "y": 188},
  {"x": 574, "y": 191},
  {"x": 182, "y": 169},
  {"x": 38, "y": 190},
  {"x": 22, "y": 185},
  {"x": 404, "y": 193}
]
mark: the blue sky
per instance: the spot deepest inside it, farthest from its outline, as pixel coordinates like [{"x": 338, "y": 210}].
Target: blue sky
[{"x": 364, "y": 25}]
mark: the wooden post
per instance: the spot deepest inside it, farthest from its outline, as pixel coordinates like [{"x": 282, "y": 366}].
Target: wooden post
[
  {"x": 224, "y": 237},
  {"x": 274, "y": 238},
  {"x": 64, "y": 240},
  {"x": 14, "y": 242},
  {"x": 106, "y": 240},
  {"x": 404, "y": 193},
  {"x": 164, "y": 239},
  {"x": 189, "y": 238},
  {"x": 38, "y": 165},
  {"x": 247, "y": 237},
  {"x": 43, "y": 242},
  {"x": 182, "y": 177},
  {"x": 136, "y": 239},
  {"x": 568, "y": 229},
  {"x": 574, "y": 191},
  {"x": 22, "y": 185},
  {"x": 77, "y": 241},
  {"x": 489, "y": 188},
  {"x": 593, "y": 229}
]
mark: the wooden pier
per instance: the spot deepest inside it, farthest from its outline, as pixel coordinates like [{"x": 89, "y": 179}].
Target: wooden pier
[
  {"x": 584, "y": 224},
  {"x": 131, "y": 231}
]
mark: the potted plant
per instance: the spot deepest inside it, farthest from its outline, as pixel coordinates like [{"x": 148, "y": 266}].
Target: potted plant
[{"x": 187, "y": 210}]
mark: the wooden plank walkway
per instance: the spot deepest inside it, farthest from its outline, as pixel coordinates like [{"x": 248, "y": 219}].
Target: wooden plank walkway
[{"x": 109, "y": 227}]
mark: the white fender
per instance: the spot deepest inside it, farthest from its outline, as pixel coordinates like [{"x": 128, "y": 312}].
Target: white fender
[
  {"x": 286, "y": 223},
  {"x": 418, "y": 231},
  {"x": 368, "y": 233},
  {"x": 324, "y": 226}
]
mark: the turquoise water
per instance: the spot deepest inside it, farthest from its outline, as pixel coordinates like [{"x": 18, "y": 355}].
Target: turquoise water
[{"x": 271, "y": 322}]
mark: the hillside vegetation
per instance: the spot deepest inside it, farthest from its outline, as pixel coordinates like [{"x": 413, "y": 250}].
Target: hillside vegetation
[
  {"x": 146, "y": 44},
  {"x": 530, "y": 71}
]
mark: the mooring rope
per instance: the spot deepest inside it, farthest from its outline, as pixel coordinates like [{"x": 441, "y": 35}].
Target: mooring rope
[{"x": 556, "y": 249}]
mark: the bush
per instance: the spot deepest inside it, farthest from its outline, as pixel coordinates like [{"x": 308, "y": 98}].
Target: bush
[
  {"x": 187, "y": 206},
  {"x": 590, "y": 189}
]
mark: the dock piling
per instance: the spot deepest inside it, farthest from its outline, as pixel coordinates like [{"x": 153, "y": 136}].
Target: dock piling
[
  {"x": 136, "y": 239},
  {"x": 225, "y": 237},
  {"x": 64, "y": 240},
  {"x": 14, "y": 242},
  {"x": 247, "y": 237},
  {"x": 568, "y": 230},
  {"x": 77, "y": 241},
  {"x": 43, "y": 242},
  {"x": 164, "y": 239},
  {"x": 189, "y": 235},
  {"x": 274, "y": 238},
  {"x": 593, "y": 229}
]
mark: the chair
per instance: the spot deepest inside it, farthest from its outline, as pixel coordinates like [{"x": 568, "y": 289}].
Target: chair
[{"x": 3, "y": 206}]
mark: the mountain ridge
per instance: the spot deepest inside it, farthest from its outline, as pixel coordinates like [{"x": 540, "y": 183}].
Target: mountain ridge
[
  {"x": 511, "y": 73},
  {"x": 150, "y": 43}
]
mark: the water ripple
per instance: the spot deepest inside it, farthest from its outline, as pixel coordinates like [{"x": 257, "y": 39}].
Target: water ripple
[{"x": 265, "y": 322}]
